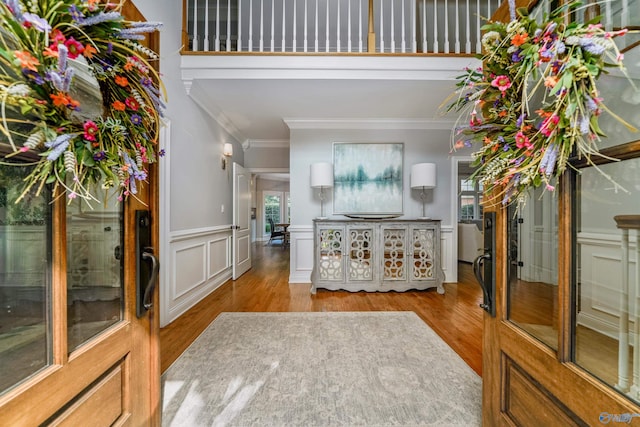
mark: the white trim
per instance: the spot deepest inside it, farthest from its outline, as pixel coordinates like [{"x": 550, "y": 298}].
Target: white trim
[
  {"x": 193, "y": 233},
  {"x": 216, "y": 114},
  {"x": 367, "y": 124},
  {"x": 265, "y": 143},
  {"x": 164, "y": 192}
]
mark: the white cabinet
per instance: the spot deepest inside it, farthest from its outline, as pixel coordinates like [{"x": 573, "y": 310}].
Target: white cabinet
[{"x": 377, "y": 255}]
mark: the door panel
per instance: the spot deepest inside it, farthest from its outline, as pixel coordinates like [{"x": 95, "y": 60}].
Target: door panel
[
  {"x": 241, "y": 221},
  {"x": 69, "y": 275}
]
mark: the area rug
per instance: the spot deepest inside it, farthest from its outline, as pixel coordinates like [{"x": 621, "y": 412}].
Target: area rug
[{"x": 320, "y": 369}]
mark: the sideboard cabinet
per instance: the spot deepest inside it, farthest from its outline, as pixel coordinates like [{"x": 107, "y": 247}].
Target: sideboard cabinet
[{"x": 377, "y": 255}]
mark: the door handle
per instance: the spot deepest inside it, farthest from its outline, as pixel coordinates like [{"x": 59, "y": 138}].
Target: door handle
[
  {"x": 147, "y": 255},
  {"x": 478, "y": 265}
]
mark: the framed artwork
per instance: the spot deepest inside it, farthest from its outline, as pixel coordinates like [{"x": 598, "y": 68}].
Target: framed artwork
[{"x": 367, "y": 179}]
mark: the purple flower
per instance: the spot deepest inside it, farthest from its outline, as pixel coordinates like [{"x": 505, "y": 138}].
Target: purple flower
[
  {"x": 76, "y": 15},
  {"x": 99, "y": 156},
  {"x": 58, "y": 145},
  {"x": 590, "y": 103},
  {"x": 506, "y": 148},
  {"x": 99, "y": 18},
  {"x": 515, "y": 56},
  {"x": 548, "y": 162},
  {"x": 37, "y": 78},
  {"x": 521, "y": 119},
  {"x": 136, "y": 119},
  {"x": 162, "y": 153},
  {"x": 36, "y": 22}
]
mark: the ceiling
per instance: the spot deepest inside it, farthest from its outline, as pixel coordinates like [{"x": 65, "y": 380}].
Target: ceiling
[{"x": 256, "y": 109}]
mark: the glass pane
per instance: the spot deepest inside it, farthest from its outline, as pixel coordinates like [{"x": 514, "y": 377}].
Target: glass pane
[
  {"x": 533, "y": 267},
  {"x": 607, "y": 321},
  {"x": 25, "y": 282},
  {"x": 271, "y": 210},
  {"x": 94, "y": 269},
  {"x": 467, "y": 204},
  {"x": 466, "y": 185}
]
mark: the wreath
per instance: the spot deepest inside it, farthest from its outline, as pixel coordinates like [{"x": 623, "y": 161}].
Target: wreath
[
  {"x": 554, "y": 66},
  {"x": 79, "y": 96}
]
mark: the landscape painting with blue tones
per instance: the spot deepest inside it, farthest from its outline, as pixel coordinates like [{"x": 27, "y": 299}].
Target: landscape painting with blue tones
[{"x": 367, "y": 178}]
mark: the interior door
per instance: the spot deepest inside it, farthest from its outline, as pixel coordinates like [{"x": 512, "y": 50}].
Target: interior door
[
  {"x": 241, "y": 235},
  {"x": 75, "y": 346},
  {"x": 564, "y": 345}
]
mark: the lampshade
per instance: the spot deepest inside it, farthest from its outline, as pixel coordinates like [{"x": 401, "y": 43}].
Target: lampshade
[
  {"x": 321, "y": 175},
  {"x": 423, "y": 175},
  {"x": 228, "y": 149}
]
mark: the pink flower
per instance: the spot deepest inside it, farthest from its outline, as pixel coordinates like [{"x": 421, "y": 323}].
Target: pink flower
[
  {"x": 522, "y": 141},
  {"x": 501, "y": 82},
  {"x": 549, "y": 125},
  {"x": 90, "y": 130},
  {"x": 75, "y": 47}
]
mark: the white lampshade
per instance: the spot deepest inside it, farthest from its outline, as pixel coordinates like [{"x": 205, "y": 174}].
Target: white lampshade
[
  {"x": 228, "y": 149},
  {"x": 423, "y": 175},
  {"x": 321, "y": 175}
]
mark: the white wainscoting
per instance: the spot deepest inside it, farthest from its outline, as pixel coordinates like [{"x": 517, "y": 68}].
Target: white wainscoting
[
  {"x": 302, "y": 254},
  {"x": 600, "y": 281},
  {"x": 197, "y": 262}
]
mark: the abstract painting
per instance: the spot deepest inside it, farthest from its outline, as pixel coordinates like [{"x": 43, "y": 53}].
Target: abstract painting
[{"x": 367, "y": 179}]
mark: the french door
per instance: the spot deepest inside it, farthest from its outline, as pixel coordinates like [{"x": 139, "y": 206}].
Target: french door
[
  {"x": 78, "y": 328},
  {"x": 564, "y": 346}
]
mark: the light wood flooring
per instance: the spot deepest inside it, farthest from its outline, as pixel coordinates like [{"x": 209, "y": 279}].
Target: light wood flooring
[{"x": 454, "y": 316}]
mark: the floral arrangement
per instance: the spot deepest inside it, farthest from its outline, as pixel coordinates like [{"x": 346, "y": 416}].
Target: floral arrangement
[
  {"x": 78, "y": 93},
  {"x": 553, "y": 66}
]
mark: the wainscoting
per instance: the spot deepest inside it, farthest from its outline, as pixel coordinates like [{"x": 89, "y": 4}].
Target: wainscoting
[
  {"x": 302, "y": 254},
  {"x": 600, "y": 281},
  {"x": 197, "y": 262}
]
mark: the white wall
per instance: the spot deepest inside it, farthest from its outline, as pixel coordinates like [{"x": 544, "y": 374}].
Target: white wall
[
  {"x": 195, "y": 233},
  {"x": 316, "y": 145}
]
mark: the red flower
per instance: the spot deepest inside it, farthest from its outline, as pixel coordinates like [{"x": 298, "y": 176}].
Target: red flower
[
  {"x": 118, "y": 105},
  {"x": 90, "y": 130},
  {"x": 132, "y": 103},
  {"x": 75, "y": 48}
]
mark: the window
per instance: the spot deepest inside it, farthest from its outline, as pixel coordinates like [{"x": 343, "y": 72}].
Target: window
[
  {"x": 469, "y": 199},
  {"x": 276, "y": 205}
]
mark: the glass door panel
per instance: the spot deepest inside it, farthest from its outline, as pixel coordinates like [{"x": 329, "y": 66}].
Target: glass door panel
[
  {"x": 607, "y": 286},
  {"x": 533, "y": 267},
  {"x": 94, "y": 269},
  {"x": 25, "y": 282}
]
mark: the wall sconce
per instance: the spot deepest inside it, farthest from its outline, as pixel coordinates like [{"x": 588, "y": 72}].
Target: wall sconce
[
  {"x": 321, "y": 177},
  {"x": 423, "y": 176},
  {"x": 227, "y": 151}
]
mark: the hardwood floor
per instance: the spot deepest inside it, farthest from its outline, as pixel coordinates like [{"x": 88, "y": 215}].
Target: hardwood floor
[{"x": 454, "y": 316}]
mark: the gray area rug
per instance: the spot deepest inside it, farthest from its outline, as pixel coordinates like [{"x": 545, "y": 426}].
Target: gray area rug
[{"x": 320, "y": 369}]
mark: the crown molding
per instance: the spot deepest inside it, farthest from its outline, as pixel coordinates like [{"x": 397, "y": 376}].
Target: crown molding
[
  {"x": 380, "y": 124},
  {"x": 265, "y": 143},
  {"x": 220, "y": 118}
]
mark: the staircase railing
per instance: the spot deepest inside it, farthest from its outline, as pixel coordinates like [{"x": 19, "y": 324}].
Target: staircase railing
[{"x": 335, "y": 26}]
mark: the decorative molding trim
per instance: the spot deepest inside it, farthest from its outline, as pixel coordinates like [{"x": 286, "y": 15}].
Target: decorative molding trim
[
  {"x": 265, "y": 143},
  {"x": 217, "y": 115},
  {"x": 192, "y": 250},
  {"x": 194, "y": 233},
  {"x": 376, "y": 124}
]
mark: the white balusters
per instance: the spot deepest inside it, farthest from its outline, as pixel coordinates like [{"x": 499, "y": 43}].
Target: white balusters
[
  {"x": 228, "y": 26},
  {"x": 446, "y": 26},
  {"x": 467, "y": 46},
  {"x": 401, "y": 26},
  {"x": 195, "y": 26},
  {"x": 456, "y": 46},
  {"x": 435, "y": 28},
  {"x": 608, "y": 19}
]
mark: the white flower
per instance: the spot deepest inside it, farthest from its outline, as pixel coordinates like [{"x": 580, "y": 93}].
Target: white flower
[
  {"x": 490, "y": 40},
  {"x": 19, "y": 89}
]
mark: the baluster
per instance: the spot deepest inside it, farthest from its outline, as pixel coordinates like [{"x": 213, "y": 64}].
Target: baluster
[
  {"x": 206, "y": 28},
  {"x": 456, "y": 46},
  {"x": 478, "y": 31},
  {"x": 261, "y": 26},
  {"x": 284, "y": 25},
  {"x": 381, "y": 27},
  {"x": 239, "y": 42},
  {"x": 393, "y": 28},
  {"x": 349, "y": 26},
  {"x": 403, "y": 43},
  {"x": 338, "y": 29},
  {"x": 636, "y": 329},
  {"x": 414, "y": 17},
  {"x": 228, "y": 25},
  {"x": 326, "y": 30},
  {"x": 623, "y": 223},
  {"x": 435, "y": 27},
  {"x": 608, "y": 20},
  {"x": 305, "y": 26},
  {"x": 624, "y": 22},
  {"x": 250, "y": 47},
  {"x": 195, "y": 26},
  {"x": 273, "y": 16},
  {"x": 360, "y": 26},
  {"x": 425, "y": 47},
  {"x": 446, "y": 26},
  {"x": 467, "y": 46},
  {"x": 489, "y": 7},
  {"x": 316, "y": 26},
  {"x": 295, "y": 25}
]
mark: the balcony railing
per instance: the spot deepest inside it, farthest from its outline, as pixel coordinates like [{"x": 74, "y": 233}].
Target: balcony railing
[{"x": 336, "y": 26}]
